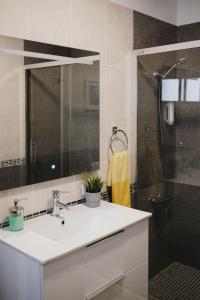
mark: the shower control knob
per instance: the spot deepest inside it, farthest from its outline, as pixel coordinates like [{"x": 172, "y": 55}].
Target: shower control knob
[
  {"x": 147, "y": 127},
  {"x": 151, "y": 200}
]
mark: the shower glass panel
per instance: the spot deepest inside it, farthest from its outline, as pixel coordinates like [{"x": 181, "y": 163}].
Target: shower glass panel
[{"x": 168, "y": 168}]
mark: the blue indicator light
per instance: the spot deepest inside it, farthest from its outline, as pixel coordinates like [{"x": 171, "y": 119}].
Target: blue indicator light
[{"x": 53, "y": 166}]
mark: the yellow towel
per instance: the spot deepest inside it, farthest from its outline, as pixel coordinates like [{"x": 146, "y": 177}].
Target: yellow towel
[{"x": 118, "y": 179}]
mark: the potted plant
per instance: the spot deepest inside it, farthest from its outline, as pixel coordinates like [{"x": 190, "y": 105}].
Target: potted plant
[{"x": 93, "y": 186}]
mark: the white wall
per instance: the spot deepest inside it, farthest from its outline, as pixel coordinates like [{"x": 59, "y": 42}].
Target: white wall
[
  {"x": 188, "y": 11},
  {"x": 165, "y": 10},
  {"x": 88, "y": 24}
]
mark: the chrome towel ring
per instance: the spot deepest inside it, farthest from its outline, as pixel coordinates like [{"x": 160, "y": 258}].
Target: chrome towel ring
[{"x": 115, "y": 130}]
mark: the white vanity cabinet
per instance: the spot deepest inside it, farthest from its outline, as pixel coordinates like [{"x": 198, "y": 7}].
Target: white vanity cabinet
[
  {"x": 130, "y": 281},
  {"x": 114, "y": 268}
]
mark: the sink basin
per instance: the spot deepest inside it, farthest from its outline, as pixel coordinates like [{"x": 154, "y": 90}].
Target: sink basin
[
  {"x": 79, "y": 221},
  {"x": 44, "y": 238}
]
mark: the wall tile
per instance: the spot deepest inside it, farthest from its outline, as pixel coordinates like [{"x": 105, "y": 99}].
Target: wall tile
[
  {"x": 14, "y": 18},
  {"x": 15, "y": 137},
  {"x": 103, "y": 94},
  {"x": 151, "y": 32},
  {"x": 88, "y": 24},
  {"x": 118, "y": 97},
  {"x": 119, "y": 35},
  {"x": 189, "y": 32},
  {"x": 104, "y": 144},
  {"x": 50, "y": 21},
  {"x": 118, "y": 145}
]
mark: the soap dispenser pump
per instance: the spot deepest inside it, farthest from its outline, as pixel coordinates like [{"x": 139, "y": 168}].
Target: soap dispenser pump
[{"x": 16, "y": 216}]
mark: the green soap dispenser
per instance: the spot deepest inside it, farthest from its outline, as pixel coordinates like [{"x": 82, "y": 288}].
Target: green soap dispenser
[{"x": 16, "y": 216}]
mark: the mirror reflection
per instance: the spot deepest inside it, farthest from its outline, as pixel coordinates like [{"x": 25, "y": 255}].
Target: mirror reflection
[
  {"x": 49, "y": 112},
  {"x": 187, "y": 89}
]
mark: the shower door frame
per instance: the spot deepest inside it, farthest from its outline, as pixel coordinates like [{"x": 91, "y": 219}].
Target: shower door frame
[{"x": 167, "y": 48}]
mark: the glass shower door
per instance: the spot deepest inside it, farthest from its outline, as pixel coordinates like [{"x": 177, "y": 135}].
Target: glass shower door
[{"x": 169, "y": 170}]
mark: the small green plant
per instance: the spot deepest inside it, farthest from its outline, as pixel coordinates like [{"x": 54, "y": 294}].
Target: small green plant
[{"x": 93, "y": 184}]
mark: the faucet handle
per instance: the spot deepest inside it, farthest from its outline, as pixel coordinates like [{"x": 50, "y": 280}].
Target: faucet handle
[{"x": 56, "y": 193}]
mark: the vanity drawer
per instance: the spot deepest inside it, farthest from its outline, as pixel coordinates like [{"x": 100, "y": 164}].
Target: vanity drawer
[
  {"x": 102, "y": 263},
  {"x": 131, "y": 286},
  {"x": 116, "y": 292},
  {"x": 64, "y": 278},
  {"x": 110, "y": 259},
  {"x": 136, "y": 281}
]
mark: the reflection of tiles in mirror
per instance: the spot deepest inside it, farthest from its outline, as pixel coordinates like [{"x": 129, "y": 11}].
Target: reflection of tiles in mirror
[
  {"x": 177, "y": 281},
  {"x": 12, "y": 162}
]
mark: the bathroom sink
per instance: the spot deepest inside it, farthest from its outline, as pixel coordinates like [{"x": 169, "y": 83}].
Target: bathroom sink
[
  {"x": 45, "y": 238},
  {"x": 79, "y": 221}
]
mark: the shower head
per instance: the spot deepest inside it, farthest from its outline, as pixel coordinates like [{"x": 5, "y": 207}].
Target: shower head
[
  {"x": 158, "y": 75},
  {"x": 181, "y": 60}
]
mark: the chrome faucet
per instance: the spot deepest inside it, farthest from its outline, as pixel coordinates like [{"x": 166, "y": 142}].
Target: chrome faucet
[{"x": 57, "y": 204}]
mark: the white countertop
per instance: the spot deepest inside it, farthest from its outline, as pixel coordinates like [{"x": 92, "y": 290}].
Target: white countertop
[{"x": 44, "y": 238}]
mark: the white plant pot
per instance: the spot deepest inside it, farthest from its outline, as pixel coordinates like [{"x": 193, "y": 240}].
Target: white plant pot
[{"x": 93, "y": 199}]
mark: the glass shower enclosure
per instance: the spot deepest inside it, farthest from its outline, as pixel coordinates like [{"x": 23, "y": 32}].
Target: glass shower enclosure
[{"x": 168, "y": 166}]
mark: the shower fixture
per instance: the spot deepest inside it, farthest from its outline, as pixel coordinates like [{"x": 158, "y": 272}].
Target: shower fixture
[{"x": 181, "y": 60}]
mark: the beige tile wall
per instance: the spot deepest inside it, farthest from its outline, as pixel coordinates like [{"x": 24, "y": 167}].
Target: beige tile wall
[{"x": 88, "y": 24}]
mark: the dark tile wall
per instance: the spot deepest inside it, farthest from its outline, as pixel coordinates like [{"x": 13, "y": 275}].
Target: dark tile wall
[
  {"x": 187, "y": 224},
  {"x": 161, "y": 248},
  {"x": 189, "y": 32},
  {"x": 150, "y": 32}
]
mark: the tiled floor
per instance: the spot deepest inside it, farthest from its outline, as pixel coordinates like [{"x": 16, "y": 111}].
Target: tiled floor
[{"x": 177, "y": 281}]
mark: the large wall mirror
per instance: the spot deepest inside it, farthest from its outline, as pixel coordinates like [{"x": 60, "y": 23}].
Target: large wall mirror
[{"x": 49, "y": 112}]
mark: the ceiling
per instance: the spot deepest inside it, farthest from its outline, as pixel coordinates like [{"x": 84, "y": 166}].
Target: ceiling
[{"x": 177, "y": 12}]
